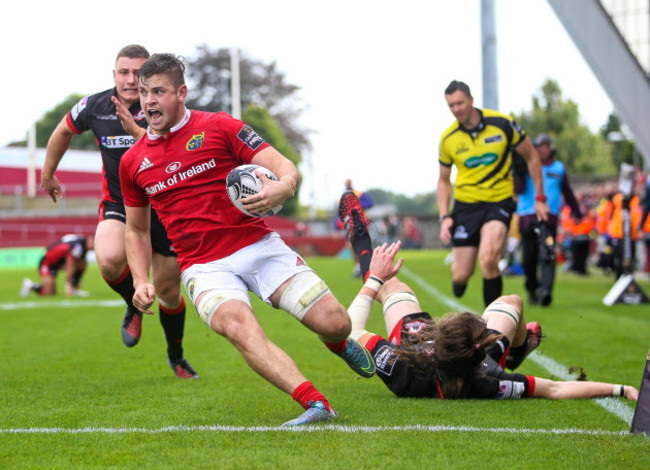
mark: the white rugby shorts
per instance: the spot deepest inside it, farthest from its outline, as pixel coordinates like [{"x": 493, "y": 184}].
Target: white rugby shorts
[{"x": 260, "y": 268}]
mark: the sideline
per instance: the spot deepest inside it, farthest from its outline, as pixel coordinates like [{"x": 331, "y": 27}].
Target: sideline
[
  {"x": 29, "y": 305},
  {"x": 613, "y": 405},
  {"x": 310, "y": 428}
]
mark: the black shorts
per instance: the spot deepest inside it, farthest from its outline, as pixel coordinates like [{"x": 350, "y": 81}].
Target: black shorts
[
  {"x": 470, "y": 217},
  {"x": 160, "y": 242}
]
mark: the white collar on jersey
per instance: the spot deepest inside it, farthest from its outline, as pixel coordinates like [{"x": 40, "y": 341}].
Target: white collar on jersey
[{"x": 182, "y": 122}]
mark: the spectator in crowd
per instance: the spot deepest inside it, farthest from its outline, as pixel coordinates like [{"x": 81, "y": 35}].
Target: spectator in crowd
[
  {"x": 581, "y": 229},
  {"x": 67, "y": 253},
  {"x": 604, "y": 248},
  {"x": 392, "y": 227},
  {"x": 410, "y": 233},
  {"x": 624, "y": 262},
  {"x": 644, "y": 224}
]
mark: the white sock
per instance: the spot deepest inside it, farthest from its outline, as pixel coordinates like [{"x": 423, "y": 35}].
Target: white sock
[{"x": 359, "y": 312}]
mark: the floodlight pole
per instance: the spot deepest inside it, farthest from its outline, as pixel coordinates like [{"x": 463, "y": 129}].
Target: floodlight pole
[
  {"x": 31, "y": 167},
  {"x": 235, "y": 85},
  {"x": 489, "y": 55}
]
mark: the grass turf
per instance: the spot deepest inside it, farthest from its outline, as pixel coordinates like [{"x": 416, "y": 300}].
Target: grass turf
[{"x": 74, "y": 397}]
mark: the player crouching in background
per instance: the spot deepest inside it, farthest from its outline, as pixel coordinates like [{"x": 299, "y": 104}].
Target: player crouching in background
[{"x": 68, "y": 253}]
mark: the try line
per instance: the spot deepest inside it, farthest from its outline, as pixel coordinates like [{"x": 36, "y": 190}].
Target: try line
[{"x": 312, "y": 428}]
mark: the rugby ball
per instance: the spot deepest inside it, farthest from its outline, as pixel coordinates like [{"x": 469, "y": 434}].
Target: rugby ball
[{"x": 242, "y": 182}]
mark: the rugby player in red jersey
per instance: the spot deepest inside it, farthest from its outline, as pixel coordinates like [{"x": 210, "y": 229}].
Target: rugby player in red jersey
[{"x": 179, "y": 168}]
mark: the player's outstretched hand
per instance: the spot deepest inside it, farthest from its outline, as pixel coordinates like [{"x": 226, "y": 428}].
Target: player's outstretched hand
[
  {"x": 126, "y": 119},
  {"x": 383, "y": 264},
  {"x": 144, "y": 297},
  {"x": 631, "y": 393}
]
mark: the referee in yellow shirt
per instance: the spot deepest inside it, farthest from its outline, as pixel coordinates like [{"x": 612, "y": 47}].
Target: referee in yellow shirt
[{"x": 480, "y": 143}]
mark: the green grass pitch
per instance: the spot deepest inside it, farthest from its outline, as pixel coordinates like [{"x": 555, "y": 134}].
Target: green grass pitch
[{"x": 72, "y": 396}]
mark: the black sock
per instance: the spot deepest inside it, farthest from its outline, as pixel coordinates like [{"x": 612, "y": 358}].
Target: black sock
[
  {"x": 123, "y": 286},
  {"x": 459, "y": 289},
  {"x": 173, "y": 323},
  {"x": 492, "y": 289},
  {"x": 520, "y": 350},
  {"x": 363, "y": 248}
]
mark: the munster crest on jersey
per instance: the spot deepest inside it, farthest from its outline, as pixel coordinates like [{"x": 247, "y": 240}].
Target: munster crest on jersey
[{"x": 196, "y": 141}]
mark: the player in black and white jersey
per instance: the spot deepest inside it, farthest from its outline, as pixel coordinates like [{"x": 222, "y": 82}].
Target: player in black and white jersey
[{"x": 117, "y": 121}]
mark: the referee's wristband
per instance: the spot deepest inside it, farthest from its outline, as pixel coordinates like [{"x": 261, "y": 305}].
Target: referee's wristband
[
  {"x": 618, "y": 391},
  {"x": 374, "y": 283}
]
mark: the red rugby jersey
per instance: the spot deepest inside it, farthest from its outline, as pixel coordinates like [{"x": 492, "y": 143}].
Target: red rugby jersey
[{"x": 184, "y": 178}]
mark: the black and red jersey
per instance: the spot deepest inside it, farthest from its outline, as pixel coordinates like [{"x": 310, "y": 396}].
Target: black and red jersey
[
  {"x": 98, "y": 114},
  {"x": 404, "y": 381},
  {"x": 73, "y": 246}
]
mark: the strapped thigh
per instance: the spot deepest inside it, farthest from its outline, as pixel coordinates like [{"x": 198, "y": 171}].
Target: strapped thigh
[
  {"x": 302, "y": 293},
  {"x": 504, "y": 309}
]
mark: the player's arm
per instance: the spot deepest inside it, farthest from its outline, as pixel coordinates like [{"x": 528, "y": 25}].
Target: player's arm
[
  {"x": 382, "y": 268},
  {"x": 57, "y": 146},
  {"x": 526, "y": 149},
  {"x": 126, "y": 119},
  {"x": 443, "y": 196},
  {"x": 138, "y": 253},
  {"x": 545, "y": 388},
  {"x": 274, "y": 192}
]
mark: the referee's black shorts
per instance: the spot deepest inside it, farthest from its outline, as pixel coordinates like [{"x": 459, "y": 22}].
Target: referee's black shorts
[{"x": 470, "y": 217}]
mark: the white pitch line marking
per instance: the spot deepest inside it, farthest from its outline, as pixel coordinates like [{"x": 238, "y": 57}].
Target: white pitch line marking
[
  {"x": 30, "y": 305},
  {"x": 310, "y": 428}
]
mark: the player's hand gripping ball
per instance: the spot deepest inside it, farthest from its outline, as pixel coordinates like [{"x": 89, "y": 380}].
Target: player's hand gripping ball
[{"x": 242, "y": 182}]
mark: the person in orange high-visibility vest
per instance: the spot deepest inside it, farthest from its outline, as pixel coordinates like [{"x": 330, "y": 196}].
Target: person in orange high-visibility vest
[
  {"x": 603, "y": 243},
  {"x": 645, "y": 227},
  {"x": 581, "y": 231},
  {"x": 565, "y": 235},
  {"x": 644, "y": 224},
  {"x": 616, "y": 232}
]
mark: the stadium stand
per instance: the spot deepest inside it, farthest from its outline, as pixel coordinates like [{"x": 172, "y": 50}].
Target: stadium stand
[{"x": 35, "y": 222}]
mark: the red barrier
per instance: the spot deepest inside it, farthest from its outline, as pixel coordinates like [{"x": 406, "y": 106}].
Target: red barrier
[{"x": 41, "y": 231}]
